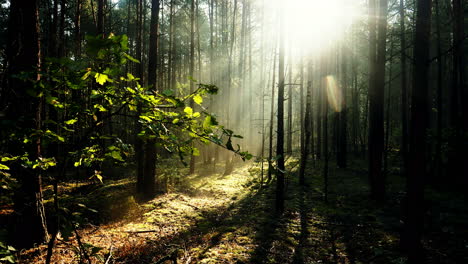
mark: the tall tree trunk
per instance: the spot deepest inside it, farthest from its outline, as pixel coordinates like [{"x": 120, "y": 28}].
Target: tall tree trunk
[
  {"x": 459, "y": 101},
  {"x": 78, "y": 28},
  {"x": 319, "y": 104},
  {"x": 414, "y": 222},
  {"x": 307, "y": 133},
  {"x": 272, "y": 121},
  {"x": 290, "y": 104},
  {"x": 440, "y": 78},
  {"x": 139, "y": 143},
  {"x": 170, "y": 63},
  {"x": 280, "y": 120},
  {"x": 404, "y": 92},
  {"x": 191, "y": 70},
  {"x": 25, "y": 111},
  {"x": 310, "y": 85},
  {"x": 229, "y": 166},
  {"x": 325, "y": 82},
  {"x": 342, "y": 115},
  {"x": 376, "y": 99},
  {"x": 387, "y": 114},
  {"x": 100, "y": 18},
  {"x": 149, "y": 169}
]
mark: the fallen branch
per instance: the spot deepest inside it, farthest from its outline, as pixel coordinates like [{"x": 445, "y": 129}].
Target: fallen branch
[
  {"x": 110, "y": 255},
  {"x": 142, "y": 231}
]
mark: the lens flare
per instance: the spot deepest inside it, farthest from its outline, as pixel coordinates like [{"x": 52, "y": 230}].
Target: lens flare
[{"x": 334, "y": 95}]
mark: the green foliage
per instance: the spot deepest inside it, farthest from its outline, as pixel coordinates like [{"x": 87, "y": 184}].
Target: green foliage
[
  {"x": 7, "y": 253},
  {"x": 111, "y": 92}
]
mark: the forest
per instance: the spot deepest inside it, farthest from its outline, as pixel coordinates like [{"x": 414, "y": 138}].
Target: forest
[{"x": 233, "y": 131}]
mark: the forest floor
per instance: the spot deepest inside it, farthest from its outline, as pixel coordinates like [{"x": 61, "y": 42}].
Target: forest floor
[{"x": 212, "y": 218}]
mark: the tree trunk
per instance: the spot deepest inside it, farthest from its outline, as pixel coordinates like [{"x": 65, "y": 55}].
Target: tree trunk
[
  {"x": 404, "y": 92},
  {"x": 376, "y": 99},
  {"x": 342, "y": 115},
  {"x": 290, "y": 104},
  {"x": 440, "y": 78},
  {"x": 272, "y": 114},
  {"x": 458, "y": 168},
  {"x": 139, "y": 143},
  {"x": 280, "y": 119},
  {"x": 307, "y": 132},
  {"x": 149, "y": 169},
  {"x": 414, "y": 222},
  {"x": 191, "y": 70},
  {"x": 324, "y": 82},
  {"x": 23, "y": 55}
]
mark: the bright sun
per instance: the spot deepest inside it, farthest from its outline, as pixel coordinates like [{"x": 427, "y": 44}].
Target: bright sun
[{"x": 316, "y": 24}]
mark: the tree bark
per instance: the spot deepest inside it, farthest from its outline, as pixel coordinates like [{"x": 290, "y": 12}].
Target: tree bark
[
  {"x": 149, "y": 169},
  {"x": 414, "y": 222},
  {"x": 25, "y": 111},
  {"x": 404, "y": 92},
  {"x": 376, "y": 99},
  {"x": 280, "y": 120}
]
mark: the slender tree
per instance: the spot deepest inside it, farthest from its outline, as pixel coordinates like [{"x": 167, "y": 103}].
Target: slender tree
[
  {"x": 377, "y": 44},
  {"x": 342, "y": 114},
  {"x": 404, "y": 92},
  {"x": 280, "y": 120},
  {"x": 307, "y": 133},
  {"x": 272, "y": 115},
  {"x": 192, "y": 68}
]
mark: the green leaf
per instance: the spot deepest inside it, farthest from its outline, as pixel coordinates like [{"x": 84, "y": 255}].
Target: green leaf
[
  {"x": 246, "y": 155},
  {"x": 58, "y": 137},
  {"x": 99, "y": 177},
  {"x": 207, "y": 123},
  {"x": 8, "y": 158},
  {"x": 100, "y": 107},
  {"x": 168, "y": 92},
  {"x": 71, "y": 121},
  {"x": 198, "y": 99},
  {"x": 175, "y": 121},
  {"x": 51, "y": 163},
  {"x": 229, "y": 144},
  {"x": 116, "y": 155},
  {"x": 131, "y": 58},
  {"x": 9, "y": 258},
  {"x": 130, "y": 77},
  {"x": 4, "y": 167},
  {"x": 85, "y": 76},
  {"x": 145, "y": 118},
  {"x": 101, "y": 78},
  {"x": 188, "y": 110},
  {"x": 195, "y": 152}
]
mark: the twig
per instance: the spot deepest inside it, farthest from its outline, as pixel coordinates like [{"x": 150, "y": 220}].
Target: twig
[
  {"x": 143, "y": 231},
  {"x": 81, "y": 246},
  {"x": 110, "y": 255}
]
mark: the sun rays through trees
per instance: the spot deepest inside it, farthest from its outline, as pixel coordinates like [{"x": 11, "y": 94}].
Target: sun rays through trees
[{"x": 233, "y": 131}]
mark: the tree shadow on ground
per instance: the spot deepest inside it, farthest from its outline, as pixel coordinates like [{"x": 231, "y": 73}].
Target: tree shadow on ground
[{"x": 221, "y": 234}]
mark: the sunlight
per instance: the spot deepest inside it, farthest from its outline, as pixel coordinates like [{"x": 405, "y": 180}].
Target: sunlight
[
  {"x": 334, "y": 95},
  {"x": 313, "y": 25}
]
